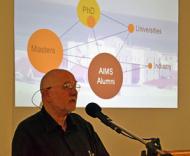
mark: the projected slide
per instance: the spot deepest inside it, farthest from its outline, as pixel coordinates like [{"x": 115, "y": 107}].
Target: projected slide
[{"x": 122, "y": 53}]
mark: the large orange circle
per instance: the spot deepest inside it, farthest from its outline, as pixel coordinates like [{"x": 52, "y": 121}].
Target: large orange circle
[
  {"x": 105, "y": 75},
  {"x": 45, "y": 50}
]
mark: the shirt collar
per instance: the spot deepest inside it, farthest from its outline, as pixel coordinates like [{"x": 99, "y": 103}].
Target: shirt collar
[{"x": 51, "y": 124}]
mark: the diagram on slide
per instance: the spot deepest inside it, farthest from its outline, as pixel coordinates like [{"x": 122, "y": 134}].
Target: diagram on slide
[{"x": 121, "y": 57}]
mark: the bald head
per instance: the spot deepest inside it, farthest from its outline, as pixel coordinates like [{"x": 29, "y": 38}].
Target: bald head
[{"x": 56, "y": 77}]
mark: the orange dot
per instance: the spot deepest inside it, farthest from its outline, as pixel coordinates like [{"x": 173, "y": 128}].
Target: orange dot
[
  {"x": 150, "y": 65},
  {"x": 91, "y": 22},
  {"x": 45, "y": 50},
  {"x": 131, "y": 28}
]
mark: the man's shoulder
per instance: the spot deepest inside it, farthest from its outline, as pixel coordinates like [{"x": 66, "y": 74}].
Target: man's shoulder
[{"x": 31, "y": 122}]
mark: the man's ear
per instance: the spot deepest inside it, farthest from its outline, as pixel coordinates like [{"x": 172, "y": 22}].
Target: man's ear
[{"x": 46, "y": 94}]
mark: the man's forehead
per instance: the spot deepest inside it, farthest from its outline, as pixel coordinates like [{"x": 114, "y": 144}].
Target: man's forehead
[
  {"x": 62, "y": 77},
  {"x": 58, "y": 77}
]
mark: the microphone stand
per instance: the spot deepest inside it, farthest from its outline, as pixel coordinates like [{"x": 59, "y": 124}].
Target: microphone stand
[{"x": 153, "y": 147}]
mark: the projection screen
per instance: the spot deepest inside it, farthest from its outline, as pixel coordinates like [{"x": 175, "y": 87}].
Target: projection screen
[{"x": 123, "y": 53}]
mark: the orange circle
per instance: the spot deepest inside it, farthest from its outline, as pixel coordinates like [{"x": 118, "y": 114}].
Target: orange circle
[
  {"x": 45, "y": 50},
  {"x": 105, "y": 75},
  {"x": 131, "y": 28},
  {"x": 91, "y": 22},
  {"x": 149, "y": 65}
]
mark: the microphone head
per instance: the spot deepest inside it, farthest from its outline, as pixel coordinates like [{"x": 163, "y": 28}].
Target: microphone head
[{"x": 93, "y": 109}]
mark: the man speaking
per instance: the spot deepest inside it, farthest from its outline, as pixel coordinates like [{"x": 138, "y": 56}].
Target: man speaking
[{"x": 54, "y": 130}]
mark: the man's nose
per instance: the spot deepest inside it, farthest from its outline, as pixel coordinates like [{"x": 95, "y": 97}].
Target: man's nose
[{"x": 73, "y": 91}]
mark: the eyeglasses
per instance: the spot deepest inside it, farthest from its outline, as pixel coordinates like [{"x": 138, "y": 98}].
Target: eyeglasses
[{"x": 68, "y": 86}]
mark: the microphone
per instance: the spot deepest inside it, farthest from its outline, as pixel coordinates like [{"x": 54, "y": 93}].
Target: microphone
[{"x": 94, "y": 110}]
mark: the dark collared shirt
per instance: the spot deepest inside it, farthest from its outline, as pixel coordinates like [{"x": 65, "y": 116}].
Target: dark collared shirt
[{"x": 40, "y": 135}]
